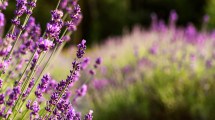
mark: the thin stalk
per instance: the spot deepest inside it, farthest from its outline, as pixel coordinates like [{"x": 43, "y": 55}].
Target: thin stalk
[
  {"x": 27, "y": 66},
  {"x": 58, "y": 99},
  {"x": 46, "y": 65},
  {"x": 12, "y": 49},
  {"x": 20, "y": 32},
  {"x": 23, "y": 89},
  {"x": 44, "y": 68},
  {"x": 63, "y": 91},
  {"x": 61, "y": 47},
  {"x": 58, "y": 4},
  {"x": 24, "y": 114}
]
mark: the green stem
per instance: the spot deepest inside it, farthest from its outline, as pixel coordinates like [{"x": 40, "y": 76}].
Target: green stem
[
  {"x": 58, "y": 4},
  {"x": 24, "y": 114},
  {"x": 63, "y": 91},
  {"x": 20, "y": 32},
  {"x": 27, "y": 66},
  {"x": 46, "y": 65},
  {"x": 28, "y": 78}
]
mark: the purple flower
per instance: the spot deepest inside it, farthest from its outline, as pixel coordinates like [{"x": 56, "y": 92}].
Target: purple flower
[
  {"x": 153, "y": 50},
  {"x": 34, "y": 61},
  {"x": 92, "y": 72},
  {"x": 173, "y": 16},
  {"x": 25, "y": 47},
  {"x": 75, "y": 15},
  {"x": 42, "y": 86},
  {"x": 4, "y": 65},
  {"x": 20, "y": 7},
  {"x": 51, "y": 86},
  {"x": 63, "y": 4},
  {"x": 71, "y": 26},
  {"x": 2, "y": 97},
  {"x": 31, "y": 23},
  {"x": 14, "y": 96},
  {"x": 35, "y": 108},
  {"x": 82, "y": 91},
  {"x": 1, "y": 82},
  {"x": 2, "y": 19},
  {"x": 99, "y": 84},
  {"x": 15, "y": 21},
  {"x": 71, "y": 114},
  {"x": 45, "y": 44},
  {"x": 191, "y": 33},
  {"x": 53, "y": 29},
  {"x": 98, "y": 62},
  {"x": 89, "y": 116},
  {"x": 44, "y": 82},
  {"x": 63, "y": 106},
  {"x": 54, "y": 98},
  {"x": 32, "y": 3},
  {"x": 2, "y": 114},
  {"x": 3, "y": 5},
  {"x": 28, "y": 105},
  {"x": 206, "y": 18},
  {"x": 60, "y": 87},
  {"x": 56, "y": 14},
  {"x": 81, "y": 49},
  {"x": 55, "y": 25},
  {"x": 35, "y": 33},
  {"x": 85, "y": 63},
  {"x": 66, "y": 95}
]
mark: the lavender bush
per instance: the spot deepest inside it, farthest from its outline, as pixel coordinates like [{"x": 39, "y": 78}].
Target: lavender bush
[
  {"x": 165, "y": 72},
  {"x": 26, "y": 90}
]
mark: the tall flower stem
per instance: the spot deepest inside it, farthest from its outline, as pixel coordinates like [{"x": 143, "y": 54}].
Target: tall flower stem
[
  {"x": 58, "y": 4},
  {"x": 61, "y": 94},
  {"x": 20, "y": 32},
  {"x": 23, "y": 73},
  {"x": 23, "y": 115},
  {"x": 56, "y": 50},
  {"x": 43, "y": 70},
  {"x": 29, "y": 76}
]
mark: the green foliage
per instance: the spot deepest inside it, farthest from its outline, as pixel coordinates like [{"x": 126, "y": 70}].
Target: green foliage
[
  {"x": 176, "y": 82},
  {"x": 210, "y": 9},
  {"x": 163, "y": 96}
]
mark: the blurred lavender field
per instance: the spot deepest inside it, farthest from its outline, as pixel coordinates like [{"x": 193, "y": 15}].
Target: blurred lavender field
[{"x": 164, "y": 72}]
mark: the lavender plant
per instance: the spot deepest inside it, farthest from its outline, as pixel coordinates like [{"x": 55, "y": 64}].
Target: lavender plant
[{"x": 25, "y": 91}]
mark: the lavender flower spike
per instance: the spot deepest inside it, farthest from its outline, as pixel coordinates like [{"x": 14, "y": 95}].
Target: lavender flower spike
[
  {"x": 81, "y": 49},
  {"x": 89, "y": 116}
]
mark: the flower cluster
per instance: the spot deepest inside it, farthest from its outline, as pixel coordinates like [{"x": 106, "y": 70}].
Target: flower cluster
[
  {"x": 42, "y": 86},
  {"x": 26, "y": 54}
]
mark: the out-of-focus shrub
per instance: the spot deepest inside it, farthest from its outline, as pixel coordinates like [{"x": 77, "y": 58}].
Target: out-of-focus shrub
[
  {"x": 163, "y": 73},
  {"x": 104, "y": 18}
]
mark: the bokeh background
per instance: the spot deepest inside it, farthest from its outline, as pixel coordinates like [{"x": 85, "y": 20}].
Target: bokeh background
[
  {"x": 161, "y": 68},
  {"x": 105, "y": 18}
]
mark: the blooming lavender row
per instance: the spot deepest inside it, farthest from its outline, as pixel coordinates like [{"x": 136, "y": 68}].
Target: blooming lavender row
[{"x": 23, "y": 49}]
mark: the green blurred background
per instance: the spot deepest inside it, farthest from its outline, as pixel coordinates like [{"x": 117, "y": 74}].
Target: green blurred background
[{"x": 103, "y": 18}]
